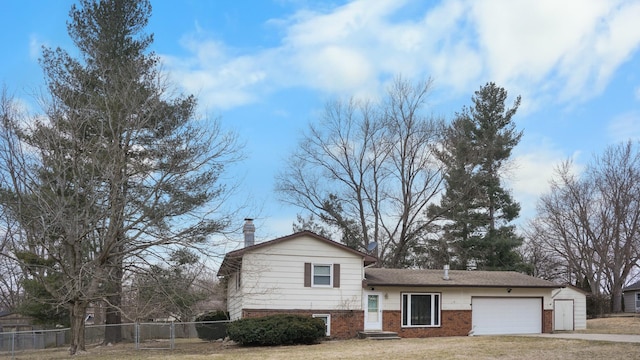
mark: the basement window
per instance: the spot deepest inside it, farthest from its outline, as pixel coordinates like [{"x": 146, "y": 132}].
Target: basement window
[{"x": 327, "y": 321}]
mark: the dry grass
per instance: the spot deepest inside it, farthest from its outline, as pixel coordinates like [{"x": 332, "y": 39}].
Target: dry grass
[
  {"x": 479, "y": 347},
  {"x": 613, "y": 325}
]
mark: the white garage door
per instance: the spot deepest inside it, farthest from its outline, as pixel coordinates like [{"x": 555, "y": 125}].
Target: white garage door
[{"x": 492, "y": 316}]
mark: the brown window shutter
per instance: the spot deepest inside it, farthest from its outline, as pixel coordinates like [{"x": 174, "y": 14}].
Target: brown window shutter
[
  {"x": 307, "y": 274},
  {"x": 336, "y": 275}
]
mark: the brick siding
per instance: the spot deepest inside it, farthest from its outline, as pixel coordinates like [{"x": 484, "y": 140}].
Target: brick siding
[
  {"x": 547, "y": 321},
  {"x": 454, "y": 323},
  {"x": 345, "y": 324}
]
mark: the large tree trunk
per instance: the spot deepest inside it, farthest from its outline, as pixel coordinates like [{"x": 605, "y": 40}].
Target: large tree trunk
[
  {"x": 78, "y": 313},
  {"x": 113, "y": 319},
  {"x": 113, "y": 316},
  {"x": 616, "y": 298}
]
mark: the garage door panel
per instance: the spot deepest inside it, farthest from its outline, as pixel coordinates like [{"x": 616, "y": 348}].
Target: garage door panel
[{"x": 496, "y": 316}]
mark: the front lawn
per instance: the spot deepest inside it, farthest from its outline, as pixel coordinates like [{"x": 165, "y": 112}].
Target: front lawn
[
  {"x": 478, "y": 347},
  {"x": 613, "y": 325}
]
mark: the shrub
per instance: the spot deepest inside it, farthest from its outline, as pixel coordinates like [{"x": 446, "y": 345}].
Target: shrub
[
  {"x": 277, "y": 330},
  {"x": 212, "y": 331}
]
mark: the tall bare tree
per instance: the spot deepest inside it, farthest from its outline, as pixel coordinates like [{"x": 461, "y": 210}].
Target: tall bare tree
[
  {"x": 368, "y": 170},
  {"x": 117, "y": 170},
  {"x": 593, "y": 220}
]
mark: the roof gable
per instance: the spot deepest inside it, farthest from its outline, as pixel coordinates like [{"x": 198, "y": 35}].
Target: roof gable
[
  {"x": 457, "y": 278},
  {"x": 575, "y": 288},
  {"x": 633, "y": 287},
  {"x": 233, "y": 259}
]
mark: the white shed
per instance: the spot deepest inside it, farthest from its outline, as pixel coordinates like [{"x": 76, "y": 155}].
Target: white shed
[{"x": 569, "y": 309}]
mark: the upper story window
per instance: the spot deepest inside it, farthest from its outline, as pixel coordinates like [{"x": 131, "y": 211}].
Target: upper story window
[{"x": 321, "y": 275}]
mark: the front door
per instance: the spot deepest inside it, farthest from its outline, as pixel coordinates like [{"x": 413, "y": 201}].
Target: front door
[{"x": 372, "y": 310}]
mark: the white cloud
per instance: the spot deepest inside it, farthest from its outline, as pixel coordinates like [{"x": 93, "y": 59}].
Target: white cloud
[
  {"x": 560, "y": 51},
  {"x": 35, "y": 47},
  {"x": 572, "y": 47},
  {"x": 221, "y": 80},
  {"x": 625, "y": 127},
  {"x": 534, "y": 166}
]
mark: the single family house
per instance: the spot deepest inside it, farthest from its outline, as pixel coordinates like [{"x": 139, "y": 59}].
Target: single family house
[
  {"x": 631, "y": 297},
  {"x": 305, "y": 273}
]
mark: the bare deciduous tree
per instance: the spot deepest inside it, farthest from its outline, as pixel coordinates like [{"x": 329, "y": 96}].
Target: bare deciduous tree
[
  {"x": 369, "y": 170},
  {"x": 593, "y": 221}
]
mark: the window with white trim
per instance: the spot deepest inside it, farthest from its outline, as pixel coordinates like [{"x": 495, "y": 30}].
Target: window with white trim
[
  {"x": 321, "y": 274},
  {"x": 327, "y": 322},
  {"x": 637, "y": 300},
  {"x": 420, "y": 309}
]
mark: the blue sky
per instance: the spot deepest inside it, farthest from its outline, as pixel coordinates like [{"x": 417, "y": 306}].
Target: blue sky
[{"x": 267, "y": 68}]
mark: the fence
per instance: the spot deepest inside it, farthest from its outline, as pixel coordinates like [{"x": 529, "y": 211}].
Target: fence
[{"x": 154, "y": 335}]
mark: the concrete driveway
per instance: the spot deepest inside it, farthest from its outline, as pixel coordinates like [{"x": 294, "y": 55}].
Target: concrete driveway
[{"x": 596, "y": 337}]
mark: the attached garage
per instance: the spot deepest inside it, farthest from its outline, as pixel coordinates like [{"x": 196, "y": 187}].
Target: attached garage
[{"x": 500, "y": 315}]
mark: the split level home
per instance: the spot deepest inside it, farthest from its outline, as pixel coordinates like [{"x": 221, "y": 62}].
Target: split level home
[{"x": 305, "y": 273}]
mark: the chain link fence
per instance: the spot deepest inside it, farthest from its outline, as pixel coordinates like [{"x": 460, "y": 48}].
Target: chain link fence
[{"x": 141, "y": 336}]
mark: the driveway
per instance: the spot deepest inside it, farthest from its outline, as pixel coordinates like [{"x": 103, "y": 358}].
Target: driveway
[{"x": 596, "y": 337}]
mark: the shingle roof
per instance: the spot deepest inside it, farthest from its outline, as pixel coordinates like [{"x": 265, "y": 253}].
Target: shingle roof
[
  {"x": 232, "y": 259},
  {"x": 632, "y": 287},
  {"x": 457, "y": 278}
]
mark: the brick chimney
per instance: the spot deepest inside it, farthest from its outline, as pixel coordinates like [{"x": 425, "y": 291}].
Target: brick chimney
[{"x": 249, "y": 231}]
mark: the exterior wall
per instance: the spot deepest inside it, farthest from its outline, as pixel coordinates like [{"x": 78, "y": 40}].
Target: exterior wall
[
  {"x": 579, "y": 305},
  {"x": 345, "y": 324},
  {"x": 453, "y": 323},
  {"x": 460, "y": 298},
  {"x": 547, "y": 321},
  {"x": 273, "y": 277},
  {"x": 630, "y": 302},
  {"x": 455, "y": 309},
  {"x": 234, "y": 297}
]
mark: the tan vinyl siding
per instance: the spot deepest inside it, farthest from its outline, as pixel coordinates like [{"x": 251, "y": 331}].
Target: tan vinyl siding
[
  {"x": 234, "y": 298},
  {"x": 281, "y": 270},
  {"x": 460, "y": 298},
  {"x": 579, "y": 305}
]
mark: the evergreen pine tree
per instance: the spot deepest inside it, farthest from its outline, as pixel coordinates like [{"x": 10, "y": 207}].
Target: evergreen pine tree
[{"x": 476, "y": 209}]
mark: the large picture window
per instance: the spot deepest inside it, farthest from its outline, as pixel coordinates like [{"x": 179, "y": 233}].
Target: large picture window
[{"x": 420, "y": 309}]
